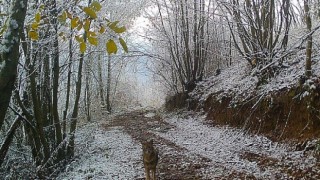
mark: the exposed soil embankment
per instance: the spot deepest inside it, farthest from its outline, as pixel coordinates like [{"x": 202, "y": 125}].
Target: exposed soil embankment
[{"x": 279, "y": 115}]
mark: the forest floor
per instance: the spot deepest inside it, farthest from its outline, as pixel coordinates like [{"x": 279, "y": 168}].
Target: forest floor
[{"x": 189, "y": 146}]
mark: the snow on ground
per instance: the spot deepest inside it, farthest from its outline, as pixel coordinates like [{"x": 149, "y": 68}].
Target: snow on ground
[
  {"x": 104, "y": 154},
  {"x": 225, "y": 146},
  {"x": 112, "y": 154}
]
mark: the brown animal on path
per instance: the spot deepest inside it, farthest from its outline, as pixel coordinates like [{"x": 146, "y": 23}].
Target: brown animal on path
[{"x": 150, "y": 159}]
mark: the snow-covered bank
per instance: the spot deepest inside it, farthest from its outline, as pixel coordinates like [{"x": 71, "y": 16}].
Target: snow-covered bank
[{"x": 240, "y": 82}]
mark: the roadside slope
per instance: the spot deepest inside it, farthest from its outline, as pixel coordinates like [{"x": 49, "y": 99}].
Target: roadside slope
[{"x": 283, "y": 106}]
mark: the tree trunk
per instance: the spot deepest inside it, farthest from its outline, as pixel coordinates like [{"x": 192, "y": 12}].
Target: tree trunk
[
  {"x": 32, "y": 133},
  {"x": 8, "y": 139},
  {"x": 101, "y": 86},
  {"x": 74, "y": 116},
  {"x": 9, "y": 55},
  {"x": 64, "y": 124},
  {"x": 109, "y": 85},
  {"x": 38, "y": 116},
  {"x": 309, "y": 40},
  {"x": 55, "y": 85},
  {"x": 87, "y": 98}
]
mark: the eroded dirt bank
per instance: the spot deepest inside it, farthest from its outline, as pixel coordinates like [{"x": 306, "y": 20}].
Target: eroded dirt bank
[{"x": 286, "y": 115}]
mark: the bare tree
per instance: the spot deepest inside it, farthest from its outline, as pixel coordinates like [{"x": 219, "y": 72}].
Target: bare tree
[
  {"x": 261, "y": 33},
  {"x": 185, "y": 28}
]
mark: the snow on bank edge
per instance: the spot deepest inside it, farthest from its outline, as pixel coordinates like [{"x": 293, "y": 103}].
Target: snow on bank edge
[{"x": 239, "y": 82}]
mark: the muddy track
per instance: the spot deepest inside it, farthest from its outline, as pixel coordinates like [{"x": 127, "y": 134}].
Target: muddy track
[{"x": 173, "y": 163}]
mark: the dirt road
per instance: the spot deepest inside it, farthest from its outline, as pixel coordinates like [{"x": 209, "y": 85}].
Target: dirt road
[
  {"x": 189, "y": 148},
  {"x": 195, "y": 150},
  {"x": 175, "y": 162}
]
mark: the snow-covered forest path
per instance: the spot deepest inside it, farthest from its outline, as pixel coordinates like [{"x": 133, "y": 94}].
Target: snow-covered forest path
[{"x": 189, "y": 148}]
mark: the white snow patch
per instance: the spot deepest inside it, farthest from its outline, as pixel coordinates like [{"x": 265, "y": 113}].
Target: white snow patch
[
  {"x": 104, "y": 154},
  {"x": 5, "y": 49},
  {"x": 14, "y": 24},
  {"x": 305, "y": 94},
  {"x": 150, "y": 115},
  {"x": 22, "y": 4},
  {"x": 313, "y": 87},
  {"x": 2, "y": 64}
]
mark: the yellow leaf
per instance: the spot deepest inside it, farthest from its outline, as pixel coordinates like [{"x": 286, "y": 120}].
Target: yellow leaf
[
  {"x": 37, "y": 17},
  {"x": 90, "y": 12},
  {"x": 111, "y": 47},
  {"x": 79, "y": 39},
  {"x": 120, "y": 30},
  {"x": 61, "y": 34},
  {"x": 102, "y": 29},
  {"x": 115, "y": 28},
  {"x": 93, "y": 41},
  {"x": 83, "y": 47},
  {"x": 79, "y": 26},
  {"x": 96, "y": 6},
  {"x": 90, "y": 33},
  {"x": 113, "y": 25},
  {"x": 35, "y": 26},
  {"x": 86, "y": 25},
  {"x": 33, "y": 35},
  {"x": 74, "y": 22},
  {"x": 63, "y": 17},
  {"x": 68, "y": 15},
  {"x": 42, "y": 6},
  {"x": 124, "y": 45}
]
